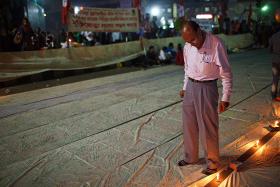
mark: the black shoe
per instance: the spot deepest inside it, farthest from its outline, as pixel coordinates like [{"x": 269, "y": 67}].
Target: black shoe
[
  {"x": 209, "y": 171},
  {"x": 182, "y": 163}
]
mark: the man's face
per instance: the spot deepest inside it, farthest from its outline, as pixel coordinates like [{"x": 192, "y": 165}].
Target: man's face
[{"x": 190, "y": 36}]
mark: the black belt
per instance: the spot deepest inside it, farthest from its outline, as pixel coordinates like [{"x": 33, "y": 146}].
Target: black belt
[{"x": 206, "y": 81}]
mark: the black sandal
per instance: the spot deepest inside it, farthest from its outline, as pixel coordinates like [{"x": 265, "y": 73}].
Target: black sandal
[
  {"x": 209, "y": 171},
  {"x": 182, "y": 163}
]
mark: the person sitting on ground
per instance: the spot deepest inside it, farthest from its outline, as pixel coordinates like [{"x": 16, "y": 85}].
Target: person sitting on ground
[
  {"x": 164, "y": 56},
  {"x": 171, "y": 50},
  {"x": 180, "y": 56},
  {"x": 151, "y": 56},
  {"x": 24, "y": 36}
]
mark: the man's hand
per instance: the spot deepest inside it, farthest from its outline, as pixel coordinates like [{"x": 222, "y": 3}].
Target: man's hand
[
  {"x": 182, "y": 93},
  {"x": 223, "y": 106}
]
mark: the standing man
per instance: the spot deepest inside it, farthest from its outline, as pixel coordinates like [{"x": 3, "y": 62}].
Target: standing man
[
  {"x": 274, "y": 48},
  {"x": 206, "y": 61}
]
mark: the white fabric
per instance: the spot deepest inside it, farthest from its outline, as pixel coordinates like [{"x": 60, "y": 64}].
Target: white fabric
[
  {"x": 162, "y": 55},
  {"x": 116, "y": 36}
]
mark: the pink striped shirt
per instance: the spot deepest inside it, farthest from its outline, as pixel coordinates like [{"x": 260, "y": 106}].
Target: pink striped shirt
[{"x": 208, "y": 63}]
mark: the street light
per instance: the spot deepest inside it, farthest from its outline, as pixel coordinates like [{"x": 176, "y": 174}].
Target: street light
[
  {"x": 76, "y": 10},
  {"x": 264, "y": 8},
  {"x": 204, "y": 16},
  {"x": 155, "y": 11}
]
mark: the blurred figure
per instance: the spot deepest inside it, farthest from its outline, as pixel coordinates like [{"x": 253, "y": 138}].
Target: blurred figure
[
  {"x": 40, "y": 39},
  {"x": 243, "y": 27},
  {"x": 49, "y": 40},
  {"x": 274, "y": 48},
  {"x": 24, "y": 36},
  {"x": 17, "y": 40},
  {"x": 147, "y": 27},
  {"x": 236, "y": 27},
  {"x": 226, "y": 25},
  {"x": 4, "y": 36},
  {"x": 116, "y": 37},
  {"x": 62, "y": 38},
  {"x": 152, "y": 57},
  {"x": 97, "y": 41},
  {"x": 155, "y": 27},
  {"x": 164, "y": 56},
  {"x": 89, "y": 38},
  {"x": 232, "y": 25},
  {"x": 180, "y": 56},
  {"x": 171, "y": 50}
]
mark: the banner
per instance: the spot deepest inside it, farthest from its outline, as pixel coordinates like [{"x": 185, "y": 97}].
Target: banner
[
  {"x": 104, "y": 20},
  {"x": 125, "y": 3}
]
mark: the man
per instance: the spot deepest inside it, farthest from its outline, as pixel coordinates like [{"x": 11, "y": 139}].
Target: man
[
  {"x": 205, "y": 61},
  {"x": 275, "y": 50}
]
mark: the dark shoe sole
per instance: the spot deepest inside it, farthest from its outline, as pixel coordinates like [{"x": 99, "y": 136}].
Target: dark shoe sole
[{"x": 182, "y": 163}]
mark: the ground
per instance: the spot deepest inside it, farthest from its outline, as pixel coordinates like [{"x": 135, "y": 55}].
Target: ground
[{"x": 120, "y": 130}]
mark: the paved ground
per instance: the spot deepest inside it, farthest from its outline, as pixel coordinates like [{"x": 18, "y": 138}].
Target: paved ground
[{"x": 121, "y": 130}]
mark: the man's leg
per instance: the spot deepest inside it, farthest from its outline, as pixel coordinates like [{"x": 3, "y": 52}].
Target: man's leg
[
  {"x": 206, "y": 105},
  {"x": 190, "y": 126},
  {"x": 275, "y": 79}
]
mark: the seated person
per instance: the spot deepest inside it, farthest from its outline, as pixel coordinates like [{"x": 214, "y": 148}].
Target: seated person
[
  {"x": 151, "y": 56},
  {"x": 164, "y": 56},
  {"x": 180, "y": 56},
  {"x": 171, "y": 50}
]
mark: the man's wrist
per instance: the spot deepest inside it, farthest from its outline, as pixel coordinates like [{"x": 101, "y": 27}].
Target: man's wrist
[{"x": 225, "y": 98}]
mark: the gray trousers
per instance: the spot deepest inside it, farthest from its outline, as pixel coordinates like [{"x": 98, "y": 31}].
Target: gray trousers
[{"x": 200, "y": 119}]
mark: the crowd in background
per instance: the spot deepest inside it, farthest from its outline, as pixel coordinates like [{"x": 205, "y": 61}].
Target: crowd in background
[
  {"x": 165, "y": 55},
  {"x": 25, "y": 38},
  {"x": 261, "y": 31}
]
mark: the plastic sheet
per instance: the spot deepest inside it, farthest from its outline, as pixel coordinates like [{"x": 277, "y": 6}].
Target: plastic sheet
[{"x": 260, "y": 170}]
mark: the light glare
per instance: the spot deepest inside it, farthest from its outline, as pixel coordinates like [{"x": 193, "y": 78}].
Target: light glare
[
  {"x": 155, "y": 11},
  {"x": 204, "y": 16},
  {"x": 76, "y": 10},
  {"x": 218, "y": 177},
  {"x": 265, "y": 8},
  {"x": 276, "y": 123}
]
